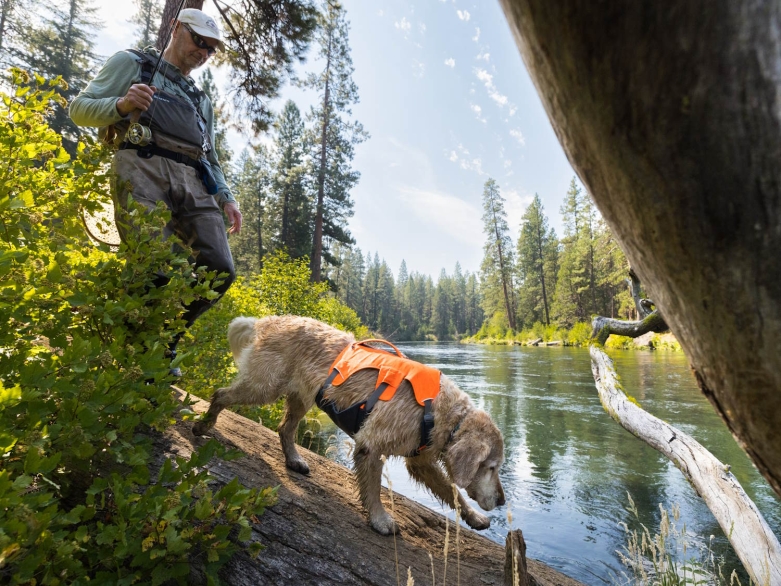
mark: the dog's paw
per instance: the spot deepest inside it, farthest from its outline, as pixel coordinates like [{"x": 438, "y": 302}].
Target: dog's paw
[
  {"x": 477, "y": 521},
  {"x": 298, "y": 466},
  {"x": 384, "y": 525},
  {"x": 201, "y": 427}
]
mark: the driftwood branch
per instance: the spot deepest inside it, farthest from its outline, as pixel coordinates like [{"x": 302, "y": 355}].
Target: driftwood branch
[
  {"x": 644, "y": 306},
  {"x": 602, "y": 327},
  {"x": 739, "y": 518},
  {"x": 651, "y": 319}
]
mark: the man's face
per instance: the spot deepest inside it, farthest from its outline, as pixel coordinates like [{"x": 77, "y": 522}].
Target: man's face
[{"x": 192, "y": 49}]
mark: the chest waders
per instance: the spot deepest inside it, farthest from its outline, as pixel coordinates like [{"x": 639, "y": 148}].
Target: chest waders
[{"x": 392, "y": 370}]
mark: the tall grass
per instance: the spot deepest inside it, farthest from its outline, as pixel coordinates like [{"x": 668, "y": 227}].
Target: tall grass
[{"x": 671, "y": 557}]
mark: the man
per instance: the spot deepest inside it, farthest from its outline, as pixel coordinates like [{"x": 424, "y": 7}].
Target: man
[{"x": 179, "y": 166}]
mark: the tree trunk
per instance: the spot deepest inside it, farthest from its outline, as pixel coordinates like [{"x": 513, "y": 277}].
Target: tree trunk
[
  {"x": 317, "y": 244},
  {"x": 502, "y": 272},
  {"x": 741, "y": 521},
  {"x": 317, "y": 532},
  {"x": 542, "y": 272},
  {"x": 168, "y": 18},
  {"x": 670, "y": 112}
]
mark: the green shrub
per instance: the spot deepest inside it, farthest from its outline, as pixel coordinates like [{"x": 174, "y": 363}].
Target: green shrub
[
  {"x": 579, "y": 335},
  {"x": 84, "y": 380}
]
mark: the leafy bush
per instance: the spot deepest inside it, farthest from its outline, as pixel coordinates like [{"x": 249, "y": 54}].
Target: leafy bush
[{"x": 84, "y": 380}]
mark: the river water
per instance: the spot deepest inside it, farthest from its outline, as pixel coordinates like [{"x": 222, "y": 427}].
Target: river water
[{"x": 568, "y": 466}]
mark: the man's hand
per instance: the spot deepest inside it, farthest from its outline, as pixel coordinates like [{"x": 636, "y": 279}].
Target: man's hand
[
  {"x": 234, "y": 215},
  {"x": 138, "y": 97}
]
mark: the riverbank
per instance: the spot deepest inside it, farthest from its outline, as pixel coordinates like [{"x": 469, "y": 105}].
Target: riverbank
[{"x": 578, "y": 336}]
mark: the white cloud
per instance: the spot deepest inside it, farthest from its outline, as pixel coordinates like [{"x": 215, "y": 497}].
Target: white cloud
[
  {"x": 418, "y": 68},
  {"x": 513, "y": 110},
  {"x": 463, "y": 15},
  {"x": 507, "y": 163},
  {"x": 518, "y": 135},
  {"x": 403, "y": 25},
  {"x": 421, "y": 28},
  {"x": 477, "y": 34},
  {"x": 450, "y": 62},
  {"x": 484, "y": 56},
  {"x": 453, "y": 156},
  {"x": 488, "y": 82},
  {"x": 381, "y": 13},
  {"x": 515, "y": 204},
  {"x": 478, "y": 111},
  {"x": 448, "y": 213}
]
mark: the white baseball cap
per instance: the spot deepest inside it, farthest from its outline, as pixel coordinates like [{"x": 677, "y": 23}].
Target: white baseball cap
[{"x": 202, "y": 24}]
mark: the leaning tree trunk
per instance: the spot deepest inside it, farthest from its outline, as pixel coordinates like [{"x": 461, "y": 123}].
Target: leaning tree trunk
[
  {"x": 741, "y": 521},
  {"x": 670, "y": 112}
]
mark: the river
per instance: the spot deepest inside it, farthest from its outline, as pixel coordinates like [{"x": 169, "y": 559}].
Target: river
[{"x": 568, "y": 466}]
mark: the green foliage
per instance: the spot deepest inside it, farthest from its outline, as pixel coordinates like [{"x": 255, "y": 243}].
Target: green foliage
[{"x": 84, "y": 379}]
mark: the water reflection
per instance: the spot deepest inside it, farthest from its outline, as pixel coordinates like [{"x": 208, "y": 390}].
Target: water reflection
[{"x": 569, "y": 466}]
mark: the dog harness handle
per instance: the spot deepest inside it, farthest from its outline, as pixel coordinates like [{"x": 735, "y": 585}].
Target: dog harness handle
[{"x": 378, "y": 341}]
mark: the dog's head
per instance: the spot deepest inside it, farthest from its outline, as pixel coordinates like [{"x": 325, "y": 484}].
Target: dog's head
[{"x": 474, "y": 458}]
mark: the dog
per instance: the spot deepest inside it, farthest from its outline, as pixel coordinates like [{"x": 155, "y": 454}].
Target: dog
[{"x": 290, "y": 356}]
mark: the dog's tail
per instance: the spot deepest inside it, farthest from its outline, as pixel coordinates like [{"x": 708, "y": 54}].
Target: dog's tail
[{"x": 241, "y": 333}]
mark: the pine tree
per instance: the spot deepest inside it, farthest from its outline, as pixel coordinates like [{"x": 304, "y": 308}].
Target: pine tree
[
  {"x": 221, "y": 118},
  {"x": 15, "y": 19},
  {"x": 333, "y": 136},
  {"x": 537, "y": 260},
  {"x": 290, "y": 210},
  {"x": 576, "y": 295},
  {"x": 497, "y": 268},
  {"x": 63, "y": 45},
  {"x": 147, "y": 20},
  {"x": 250, "y": 187}
]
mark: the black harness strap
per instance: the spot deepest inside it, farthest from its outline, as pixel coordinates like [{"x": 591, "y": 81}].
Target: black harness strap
[{"x": 426, "y": 427}]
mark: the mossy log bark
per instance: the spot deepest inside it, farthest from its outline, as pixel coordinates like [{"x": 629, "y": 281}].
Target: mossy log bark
[
  {"x": 670, "y": 113},
  {"x": 739, "y": 518},
  {"x": 318, "y": 534},
  {"x": 602, "y": 327}
]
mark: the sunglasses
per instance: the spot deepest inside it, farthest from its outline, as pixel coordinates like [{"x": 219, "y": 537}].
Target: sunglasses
[{"x": 199, "y": 42}]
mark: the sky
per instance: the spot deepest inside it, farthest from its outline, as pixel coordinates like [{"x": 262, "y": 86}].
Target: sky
[{"x": 448, "y": 104}]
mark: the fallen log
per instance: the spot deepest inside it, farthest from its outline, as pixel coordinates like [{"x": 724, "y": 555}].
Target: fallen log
[
  {"x": 318, "y": 534},
  {"x": 742, "y": 523}
]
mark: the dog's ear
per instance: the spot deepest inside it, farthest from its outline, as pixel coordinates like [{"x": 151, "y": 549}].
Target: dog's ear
[{"x": 465, "y": 457}]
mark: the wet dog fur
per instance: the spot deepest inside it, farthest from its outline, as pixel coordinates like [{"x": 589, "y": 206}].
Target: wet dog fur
[{"x": 290, "y": 356}]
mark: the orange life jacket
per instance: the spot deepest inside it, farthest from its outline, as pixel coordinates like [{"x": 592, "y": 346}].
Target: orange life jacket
[{"x": 392, "y": 370}]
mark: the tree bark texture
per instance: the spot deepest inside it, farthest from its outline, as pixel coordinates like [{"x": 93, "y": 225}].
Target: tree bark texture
[
  {"x": 741, "y": 521},
  {"x": 670, "y": 112},
  {"x": 318, "y": 534},
  {"x": 602, "y": 327}
]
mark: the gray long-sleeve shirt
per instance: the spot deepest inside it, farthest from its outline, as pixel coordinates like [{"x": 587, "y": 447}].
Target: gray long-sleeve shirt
[{"x": 96, "y": 105}]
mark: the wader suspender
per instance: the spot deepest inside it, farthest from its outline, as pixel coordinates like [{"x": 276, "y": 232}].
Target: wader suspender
[{"x": 351, "y": 419}]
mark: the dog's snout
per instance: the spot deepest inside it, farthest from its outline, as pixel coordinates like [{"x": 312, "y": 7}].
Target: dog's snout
[{"x": 501, "y": 501}]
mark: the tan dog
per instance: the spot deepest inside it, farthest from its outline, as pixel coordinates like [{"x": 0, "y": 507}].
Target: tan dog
[{"x": 291, "y": 356}]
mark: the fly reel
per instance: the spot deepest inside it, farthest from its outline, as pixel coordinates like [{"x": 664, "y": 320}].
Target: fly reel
[{"x": 139, "y": 134}]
